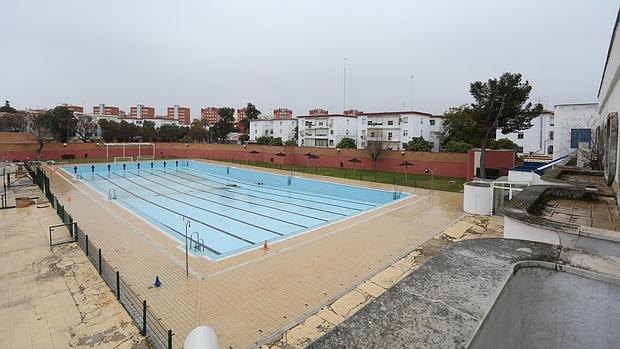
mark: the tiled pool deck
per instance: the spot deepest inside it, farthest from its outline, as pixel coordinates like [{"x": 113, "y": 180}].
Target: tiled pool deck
[{"x": 249, "y": 297}]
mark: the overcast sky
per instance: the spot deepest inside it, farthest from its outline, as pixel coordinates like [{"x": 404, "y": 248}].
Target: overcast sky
[{"x": 290, "y": 53}]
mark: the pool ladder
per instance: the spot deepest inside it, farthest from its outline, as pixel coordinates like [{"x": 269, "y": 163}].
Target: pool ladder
[
  {"x": 397, "y": 191},
  {"x": 199, "y": 244},
  {"x": 112, "y": 194}
]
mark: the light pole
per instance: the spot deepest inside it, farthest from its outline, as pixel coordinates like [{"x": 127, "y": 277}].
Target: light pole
[
  {"x": 337, "y": 157},
  {"x": 245, "y": 152},
  {"x": 187, "y": 154},
  {"x": 432, "y": 172},
  {"x": 187, "y": 226}
]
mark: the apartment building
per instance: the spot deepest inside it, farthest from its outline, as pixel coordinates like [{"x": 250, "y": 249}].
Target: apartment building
[
  {"x": 537, "y": 140},
  {"x": 326, "y": 130},
  {"x": 272, "y": 127},
  {"x": 240, "y": 114},
  {"x": 435, "y": 127},
  {"x": 282, "y": 113},
  {"x": 210, "y": 115},
  {"x": 394, "y": 128},
  {"x": 182, "y": 114},
  {"x": 574, "y": 127},
  {"x": 141, "y": 111},
  {"x": 103, "y": 109},
  {"x": 74, "y": 108}
]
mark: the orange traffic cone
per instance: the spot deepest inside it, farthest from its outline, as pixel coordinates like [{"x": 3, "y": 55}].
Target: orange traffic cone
[{"x": 265, "y": 247}]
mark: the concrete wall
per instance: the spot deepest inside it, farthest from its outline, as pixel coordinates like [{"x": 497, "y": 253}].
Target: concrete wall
[
  {"x": 572, "y": 116},
  {"x": 537, "y": 138},
  {"x": 543, "y": 308}
]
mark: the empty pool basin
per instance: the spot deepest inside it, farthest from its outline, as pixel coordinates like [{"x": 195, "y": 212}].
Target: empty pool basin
[{"x": 541, "y": 307}]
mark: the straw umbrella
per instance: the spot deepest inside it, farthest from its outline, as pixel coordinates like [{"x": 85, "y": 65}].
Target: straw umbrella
[
  {"x": 281, "y": 155},
  {"x": 355, "y": 161},
  {"x": 406, "y": 164},
  {"x": 313, "y": 157},
  {"x": 254, "y": 152}
]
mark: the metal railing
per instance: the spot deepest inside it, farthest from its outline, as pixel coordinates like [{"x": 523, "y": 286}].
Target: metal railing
[{"x": 150, "y": 325}]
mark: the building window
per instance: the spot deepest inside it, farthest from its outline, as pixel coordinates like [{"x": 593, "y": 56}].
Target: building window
[
  {"x": 432, "y": 122},
  {"x": 346, "y": 132},
  {"x": 580, "y": 135},
  {"x": 363, "y": 121},
  {"x": 390, "y": 122},
  {"x": 551, "y": 135},
  {"x": 520, "y": 135},
  {"x": 331, "y": 132},
  {"x": 389, "y": 135},
  {"x": 331, "y": 142},
  {"x": 320, "y": 123},
  {"x": 405, "y": 120},
  {"x": 372, "y": 134},
  {"x": 432, "y": 144},
  {"x": 405, "y": 133},
  {"x": 519, "y": 149},
  {"x": 550, "y": 150}
]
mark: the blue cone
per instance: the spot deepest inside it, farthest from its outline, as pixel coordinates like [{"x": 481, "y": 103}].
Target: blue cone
[{"x": 157, "y": 283}]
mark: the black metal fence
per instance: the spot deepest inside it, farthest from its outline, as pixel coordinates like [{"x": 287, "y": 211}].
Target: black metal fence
[{"x": 151, "y": 326}]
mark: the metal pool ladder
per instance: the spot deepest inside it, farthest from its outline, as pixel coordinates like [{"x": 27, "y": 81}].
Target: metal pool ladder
[{"x": 112, "y": 194}]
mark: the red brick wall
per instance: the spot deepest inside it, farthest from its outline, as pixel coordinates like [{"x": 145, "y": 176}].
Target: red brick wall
[{"x": 444, "y": 164}]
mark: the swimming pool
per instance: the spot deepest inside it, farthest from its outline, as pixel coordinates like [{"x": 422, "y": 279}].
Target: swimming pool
[{"x": 229, "y": 210}]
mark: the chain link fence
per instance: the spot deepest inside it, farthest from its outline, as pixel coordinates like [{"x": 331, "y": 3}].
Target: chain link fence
[{"x": 150, "y": 325}]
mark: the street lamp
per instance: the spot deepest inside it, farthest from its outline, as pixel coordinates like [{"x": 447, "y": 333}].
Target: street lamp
[
  {"x": 187, "y": 154},
  {"x": 187, "y": 226},
  {"x": 245, "y": 152},
  {"x": 337, "y": 157}
]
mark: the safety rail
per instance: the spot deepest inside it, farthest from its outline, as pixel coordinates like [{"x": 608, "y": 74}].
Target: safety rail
[
  {"x": 150, "y": 325},
  {"x": 71, "y": 227}
]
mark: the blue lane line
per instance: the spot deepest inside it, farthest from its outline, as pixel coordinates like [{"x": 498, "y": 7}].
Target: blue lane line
[
  {"x": 179, "y": 213},
  {"x": 280, "y": 195},
  {"x": 215, "y": 202},
  {"x": 253, "y": 196},
  {"x": 195, "y": 206},
  {"x": 258, "y": 197}
]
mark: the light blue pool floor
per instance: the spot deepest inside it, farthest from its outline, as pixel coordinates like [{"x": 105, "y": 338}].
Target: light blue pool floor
[{"x": 226, "y": 215}]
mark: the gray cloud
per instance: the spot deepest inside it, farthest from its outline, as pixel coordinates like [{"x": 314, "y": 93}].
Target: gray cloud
[{"x": 290, "y": 53}]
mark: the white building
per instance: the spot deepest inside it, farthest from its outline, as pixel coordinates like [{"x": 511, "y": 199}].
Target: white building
[
  {"x": 276, "y": 128},
  {"x": 435, "y": 127},
  {"x": 574, "y": 124},
  {"x": 537, "y": 140},
  {"x": 395, "y": 128},
  {"x": 326, "y": 130},
  {"x": 158, "y": 121}
]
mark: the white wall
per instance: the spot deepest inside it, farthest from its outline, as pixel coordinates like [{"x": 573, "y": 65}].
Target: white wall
[
  {"x": 537, "y": 138},
  {"x": 395, "y": 128},
  {"x": 572, "y": 116},
  {"x": 434, "y": 131},
  {"x": 276, "y": 128},
  {"x": 326, "y": 130}
]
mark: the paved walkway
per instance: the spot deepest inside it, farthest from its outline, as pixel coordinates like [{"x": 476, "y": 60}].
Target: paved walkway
[
  {"x": 54, "y": 298},
  {"x": 250, "y": 298}
]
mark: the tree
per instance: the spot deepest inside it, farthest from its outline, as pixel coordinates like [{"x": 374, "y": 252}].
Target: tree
[
  {"x": 244, "y": 137},
  {"x": 375, "y": 146},
  {"x": 251, "y": 113},
  {"x": 197, "y": 131},
  {"x": 501, "y": 103},
  {"x": 127, "y": 131},
  {"x": 457, "y": 146},
  {"x": 60, "y": 122},
  {"x": 186, "y": 139},
  {"x": 277, "y": 141},
  {"x": 85, "y": 127},
  {"x": 290, "y": 143},
  {"x": 503, "y": 143},
  {"x": 459, "y": 125},
  {"x": 148, "y": 131},
  {"x": 13, "y": 122},
  {"x": 41, "y": 133},
  {"x": 225, "y": 125},
  {"x": 418, "y": 144},
  {"x": 264, "y": 140},
  {"x": 6, "y": 108},
  {"x": 346, "y": 142},
  {"x": 109, "y": 130},
  {"x": 167, "y": 133}
]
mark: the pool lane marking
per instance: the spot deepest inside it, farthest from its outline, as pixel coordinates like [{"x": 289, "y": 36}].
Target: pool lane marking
[
  {"x": 358, "y": 202},
  {"x": 159, "y": 247},
  {"x": 215, "y": 202},
  {"x": 234, "y": 207},
  {"x": 267, "y": 193},
  {"x": 180, "y": 214},
  {"x": 254, "y": 196},
  {"x": 196, "y": 206}
]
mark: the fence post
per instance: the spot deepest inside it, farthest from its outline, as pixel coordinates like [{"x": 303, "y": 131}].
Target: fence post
[
  {"x": 76, "y": 231},
  {"x": 118, "y": 286},
  {"x": 86, "y": 245},
  {"x": 144, "y": 317},
  {"x": 99, "y": 261},
  {"x": 170, "y": 339}
]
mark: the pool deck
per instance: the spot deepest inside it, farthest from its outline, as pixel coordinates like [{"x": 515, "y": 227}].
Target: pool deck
[{"x": 249, "y": 297}]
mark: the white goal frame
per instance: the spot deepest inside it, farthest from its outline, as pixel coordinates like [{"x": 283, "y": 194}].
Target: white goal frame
[{"x": 125, "y": 145}]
